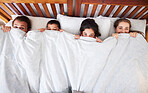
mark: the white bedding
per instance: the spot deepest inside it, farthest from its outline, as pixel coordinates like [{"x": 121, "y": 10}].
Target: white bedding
[
  {"x": 13, "y": 77},
  {"x": 84, "y": 59},
  {"x": 52, "y": 61},
  {"x": 126, "y": 70}
]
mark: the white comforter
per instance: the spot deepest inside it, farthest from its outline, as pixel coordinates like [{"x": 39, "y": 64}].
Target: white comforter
[
  {"x": 126, "y": 70},
  {"x": 51, "y": 61},
  {"x": 13, "y": 77}
]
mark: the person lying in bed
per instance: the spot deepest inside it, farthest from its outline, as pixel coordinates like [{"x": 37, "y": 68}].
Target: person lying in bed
[
  {"x": 123, "y": 26},
  {"x": 89, "y": 28},
  {"x": 21, "y": 22},
  {"x": 52, "y": 25}
]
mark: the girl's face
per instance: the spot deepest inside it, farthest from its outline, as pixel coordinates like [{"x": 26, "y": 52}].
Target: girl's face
[
  {"x": 88, "y": 33},
  {"x": 21, "y": 25},
  {"x": 52, "y": 27},
  {"x": 123, "y": 27}
]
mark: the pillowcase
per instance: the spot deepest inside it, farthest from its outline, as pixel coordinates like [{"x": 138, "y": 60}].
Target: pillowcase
[
  {"x": 136, "y": 24},
  {"x": 36, "y": 22},
  {"x": 72, "y": 24}
]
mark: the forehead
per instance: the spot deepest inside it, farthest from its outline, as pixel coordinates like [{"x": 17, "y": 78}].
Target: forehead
[
  {"x": 21, "y": 23},
  {"x": 52, "y": 25},
  {"x": 89, "y": 30},
  {"x": 125, "y": 24}
]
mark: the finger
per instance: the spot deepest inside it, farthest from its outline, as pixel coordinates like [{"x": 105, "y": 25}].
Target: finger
[
  {"x": 101, "y": 41},
  {"x": 113, "y": 34},
  {"x": 116, "y": 36},
  {"x": 9, "y": 28}
]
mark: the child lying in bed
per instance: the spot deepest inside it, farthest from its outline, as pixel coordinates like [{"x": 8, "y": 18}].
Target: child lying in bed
[
  {"x": 89, "y": 28},
  {"x": 21, "y": 22},
  {"x": 52, "y": 25},
  {"x": 123, "y": 26}
]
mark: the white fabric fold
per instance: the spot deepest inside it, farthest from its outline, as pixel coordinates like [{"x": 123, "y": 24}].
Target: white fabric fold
[
  {"x": 84, "y": 59},
  {"x": 126, "y": 70},
  {"x": 13, "y": 78},
  {"x": 54, "y": 77},
  {"x": 53, "y": 61}
]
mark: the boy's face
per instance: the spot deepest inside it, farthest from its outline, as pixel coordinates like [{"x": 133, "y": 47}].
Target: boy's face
[
  {"x": 52, "y": 27},
  {"x": 88, "y": 33},
  {"x": 21, "y": 25},
  {"x": 123, "y": 27}
]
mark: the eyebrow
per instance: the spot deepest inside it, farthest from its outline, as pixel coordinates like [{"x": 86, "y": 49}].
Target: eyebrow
[
  {"x": 22, "y": 25},
  {"x": 16, "y": 24}
]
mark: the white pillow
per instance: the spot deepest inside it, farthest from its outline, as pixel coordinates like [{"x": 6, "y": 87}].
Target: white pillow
[
  {"x": 72, "y": 24},
  {"x": 36, "y": 22},
  {"x": 139, "y": 25},
  {"x": 136, "y": 24}
]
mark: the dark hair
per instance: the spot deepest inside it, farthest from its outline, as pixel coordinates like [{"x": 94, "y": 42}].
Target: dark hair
[
  {"x": 54, "y": 22},
  {"x": 116, "y": 23},
  {"x": 25, "y": 19},
  {"x": 90, "y": 24}
]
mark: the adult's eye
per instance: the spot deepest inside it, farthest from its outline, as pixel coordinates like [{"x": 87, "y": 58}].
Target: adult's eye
[{"x": 15, "y": 27}]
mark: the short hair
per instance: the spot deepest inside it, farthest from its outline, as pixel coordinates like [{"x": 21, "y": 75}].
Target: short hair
[
  {"x": 90, "y": 24},
  {"x": 116, "y": 23},
  {"x": 25, "y": 19},
  {"x": 54, "y": 22}
]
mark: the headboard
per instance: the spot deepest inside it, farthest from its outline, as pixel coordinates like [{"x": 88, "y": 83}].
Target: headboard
[
  {"x": 135, "y": 9},
  {"x": 42, "y": 8},
  {"x": 114, "y": 8}
]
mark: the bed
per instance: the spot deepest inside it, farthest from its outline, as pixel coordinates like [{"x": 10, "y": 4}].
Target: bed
[
  {"x": 55, "y": 62},
  {"x": 80, "y": 8}
]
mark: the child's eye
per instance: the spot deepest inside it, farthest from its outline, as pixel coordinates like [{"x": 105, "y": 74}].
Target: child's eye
[
  {"x": 21, "y": 28},
  {"x": 85, "y": 34},
  {"x": 91, "y": 35}
]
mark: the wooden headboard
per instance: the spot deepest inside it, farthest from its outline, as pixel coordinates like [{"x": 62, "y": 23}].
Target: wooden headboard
[
  {"x": 136, "y": 9},
  {"x": 114, "y": 8},
  {"x": 42, "y": 8}
]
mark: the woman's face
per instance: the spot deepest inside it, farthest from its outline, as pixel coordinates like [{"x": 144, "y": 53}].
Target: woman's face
[
  {"x": 88, "y": 33},
  {"x": 123, "y": 27},
  {"x": 21, "y": 25}
]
